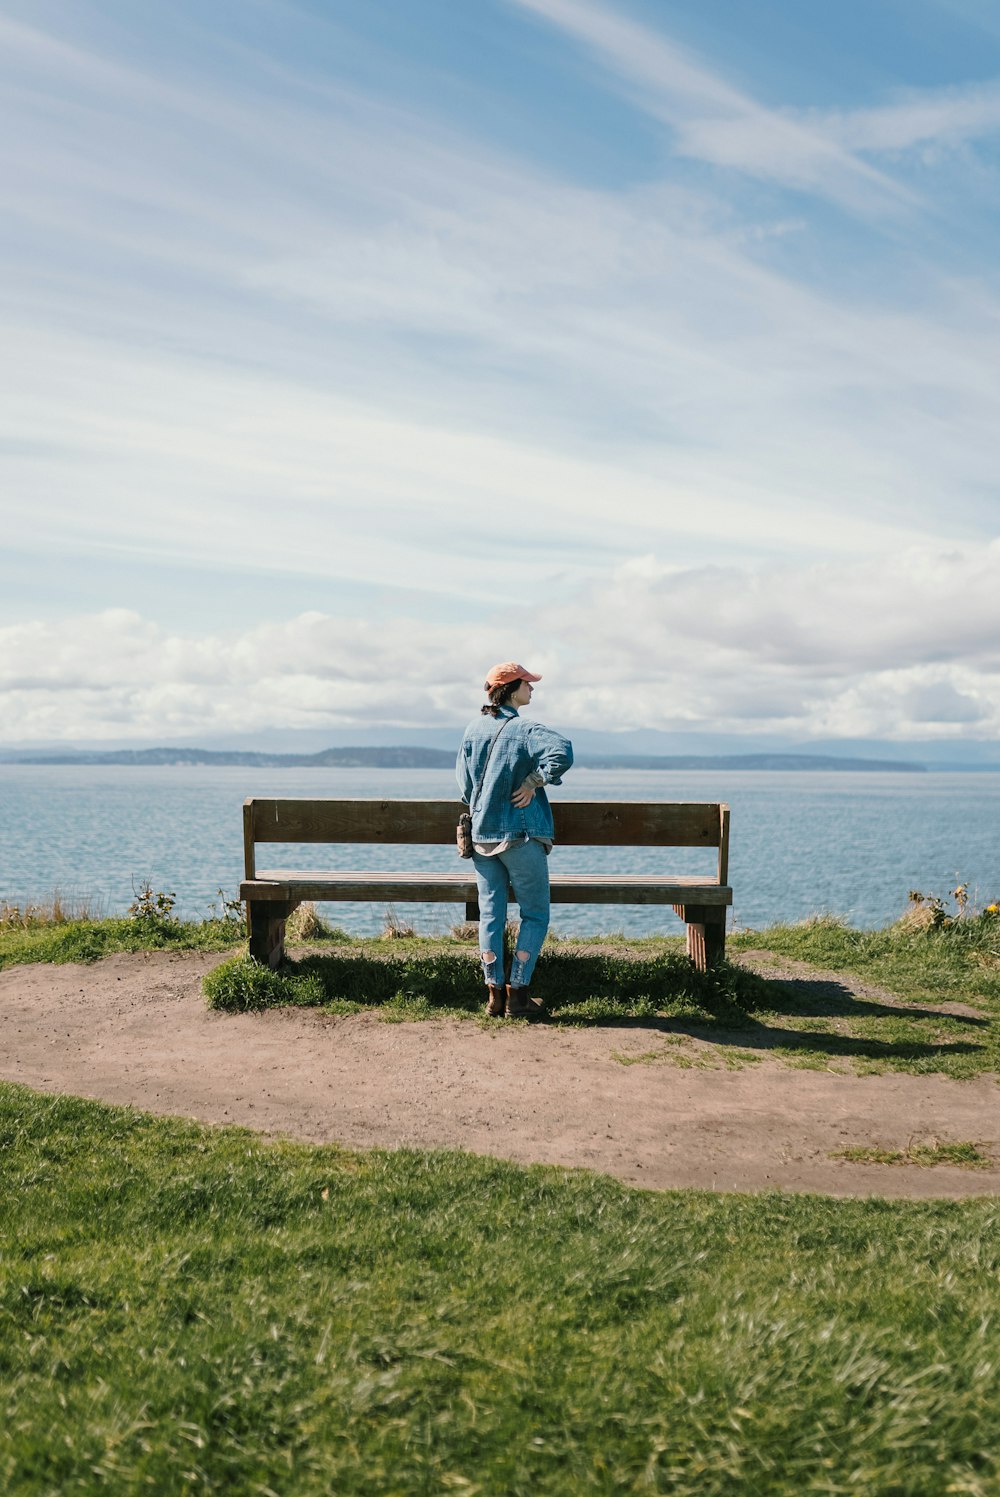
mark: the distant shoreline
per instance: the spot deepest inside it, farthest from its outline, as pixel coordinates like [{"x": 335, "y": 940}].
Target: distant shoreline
[{"x": 404, "y": 757}]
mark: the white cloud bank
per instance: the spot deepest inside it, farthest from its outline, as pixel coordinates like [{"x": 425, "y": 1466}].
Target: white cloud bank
[{"x": 898, "y": 648}]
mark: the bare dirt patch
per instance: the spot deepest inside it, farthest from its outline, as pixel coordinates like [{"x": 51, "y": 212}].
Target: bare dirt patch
[{"x": 135, "y": 1029}]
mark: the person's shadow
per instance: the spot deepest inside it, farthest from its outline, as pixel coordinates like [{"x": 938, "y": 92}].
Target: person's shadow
[{"x": 734, "y": 1006}]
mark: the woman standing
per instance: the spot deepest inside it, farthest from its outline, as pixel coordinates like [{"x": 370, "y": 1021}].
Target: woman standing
[{"x": 503, "y": 765}]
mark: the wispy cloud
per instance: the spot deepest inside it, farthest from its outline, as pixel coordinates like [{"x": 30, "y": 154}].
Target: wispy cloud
[
  {"x": 437, "y": 332},
  {"x": 255, "y": 317},
  {"x": 940, "y": 118},
  {"x": 945, "y": 115},
  {"x": 718, "y": 122}
]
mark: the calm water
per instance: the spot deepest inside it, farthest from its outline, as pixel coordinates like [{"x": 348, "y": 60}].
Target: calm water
[{"x": 802, "y": 843}]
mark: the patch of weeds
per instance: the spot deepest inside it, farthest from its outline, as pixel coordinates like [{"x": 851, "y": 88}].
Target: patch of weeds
[
  {"x": 59, "y": 910},
  {"x": 403, "y": 1007},
  {"x": 802, "y": 1060},
  {"x": 963, "y": 1153},
  {"x": 683, "y": 1060},
  {"x": 153, "y": 909},
  {"x": 305, "y": 925},
  {"x": 394, "y": 929},
  {"x": 466, "y": 930},
  {"x": 244, "y": 985},
  {"x": 605, "y": 1011},
  {"x": 709, "y": 1058},
  {"x": 228, "y": 914},
  {"x": 737, "y": 1060},
  {"x": 342, "y": 1007}
]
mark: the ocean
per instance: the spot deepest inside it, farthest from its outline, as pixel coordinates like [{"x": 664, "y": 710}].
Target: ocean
[{"x": 804, "y": 843}]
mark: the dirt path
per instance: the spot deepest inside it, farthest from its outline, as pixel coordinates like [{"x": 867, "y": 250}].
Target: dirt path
[{"x": 135, "y": 1029}]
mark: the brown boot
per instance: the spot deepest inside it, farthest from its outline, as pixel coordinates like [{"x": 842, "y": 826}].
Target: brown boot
[
  {"x": 495, "y": 1000},
  {"x": 520, "y": 1004}
]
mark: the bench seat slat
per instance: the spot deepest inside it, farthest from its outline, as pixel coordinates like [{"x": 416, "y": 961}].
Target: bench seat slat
[{"x": 459, "y": 887}]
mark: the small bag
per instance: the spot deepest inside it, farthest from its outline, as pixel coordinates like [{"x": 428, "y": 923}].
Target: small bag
[{"x": 463, "y": 832}]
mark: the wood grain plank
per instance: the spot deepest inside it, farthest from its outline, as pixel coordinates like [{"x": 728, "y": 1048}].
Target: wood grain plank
[
  {"x": 723, "y": 843},
  {"x": 266, "y": 930},
  {"x": 459, "y": 888},
  {"x": 577, "y": 823},
  {"x": 706, "y": 935},
  {"x": 249, "y": 853},
  {"x": 637, "y": 823}
]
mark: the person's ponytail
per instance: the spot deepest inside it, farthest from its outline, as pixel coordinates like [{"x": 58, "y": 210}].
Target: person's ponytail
[{"x": 499, "y": 697}]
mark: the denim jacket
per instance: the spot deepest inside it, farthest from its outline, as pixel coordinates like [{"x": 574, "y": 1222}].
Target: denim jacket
[{"x": 523, "y": 747}]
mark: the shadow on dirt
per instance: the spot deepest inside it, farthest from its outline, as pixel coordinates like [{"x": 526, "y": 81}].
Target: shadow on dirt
[{"x": 732, "y": 1006}]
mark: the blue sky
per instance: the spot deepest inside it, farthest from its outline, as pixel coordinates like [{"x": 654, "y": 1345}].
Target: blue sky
[{"x": 353, "y": 346}]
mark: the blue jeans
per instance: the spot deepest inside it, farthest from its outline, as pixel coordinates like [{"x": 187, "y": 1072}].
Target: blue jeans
[{"x": 524, "y": 869}]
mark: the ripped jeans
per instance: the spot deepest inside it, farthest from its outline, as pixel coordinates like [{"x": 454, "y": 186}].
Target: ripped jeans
[{"x": 525, "y": 869}]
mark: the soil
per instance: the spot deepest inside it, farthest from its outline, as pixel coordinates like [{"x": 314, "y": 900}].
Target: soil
[{"x": 135, "y": 1029}]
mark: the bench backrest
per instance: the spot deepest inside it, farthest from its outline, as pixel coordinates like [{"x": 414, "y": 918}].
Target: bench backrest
[{"x": 618, "y": 823}]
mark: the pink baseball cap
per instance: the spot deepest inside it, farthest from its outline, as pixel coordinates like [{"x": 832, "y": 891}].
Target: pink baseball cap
[{"x": 509, "y": 671}]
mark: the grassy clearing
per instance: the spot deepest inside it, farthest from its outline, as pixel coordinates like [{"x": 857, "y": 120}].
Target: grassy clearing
[
  {"x": 185, "y": 1309},
  {"x": 425, "y": 978},
  {"x": 944, "y": 972},
  {"x": 728, "y": 1019},
  {"x": 962, "y": 1152},
  {"x": 950, "y": 968},
  {"x": 958, "y": 960}
]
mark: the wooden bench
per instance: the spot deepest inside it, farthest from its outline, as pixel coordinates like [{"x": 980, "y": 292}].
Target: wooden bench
[{"x": 272, "y": 894}]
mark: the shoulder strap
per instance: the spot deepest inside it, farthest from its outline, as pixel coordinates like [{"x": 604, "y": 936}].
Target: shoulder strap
[{"x": 493, "y": 743}]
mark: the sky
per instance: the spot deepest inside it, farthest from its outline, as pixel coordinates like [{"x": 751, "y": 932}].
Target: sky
[{"x": 351, "y": 347}]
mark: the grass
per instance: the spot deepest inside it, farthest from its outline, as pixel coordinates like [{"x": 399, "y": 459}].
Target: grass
[
  {"x": 185, "y": 1309},
  {"x": 730, "y": 1018},
  {"x": 959, "y": 960},
  {"x": 89, "y": 940},
  {"x": 62, "y": 932},
  {"x": 427, "y": 978},
  {"x": 961, "y": 1152},
  {"x": 946, "y": 979},
  {"x": 705, "y": 1057},
  {"x": 944, "y": 1016}
]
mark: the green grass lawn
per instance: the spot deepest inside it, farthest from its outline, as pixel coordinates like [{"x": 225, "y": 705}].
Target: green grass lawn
[
  {"x": 959, "y": 960},
  {"x": 87, "y": 940},
  {"x": 186, "y": 1310},
  {"x": 819, "y": 1022}
]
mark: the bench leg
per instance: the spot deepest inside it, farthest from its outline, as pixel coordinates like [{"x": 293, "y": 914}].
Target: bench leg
[
  {"x": 706, "y": 934},
  {"x": 472, "y": 911},
  {"x": 266, "y": 929}
]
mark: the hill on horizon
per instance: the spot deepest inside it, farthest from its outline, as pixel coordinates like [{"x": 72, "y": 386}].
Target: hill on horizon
[{"x": 404, "y": 756}]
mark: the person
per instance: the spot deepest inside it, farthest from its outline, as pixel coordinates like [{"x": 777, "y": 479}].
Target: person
[{"x": 503, "y": 766}]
